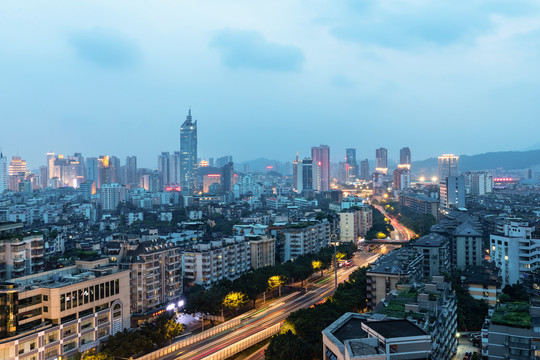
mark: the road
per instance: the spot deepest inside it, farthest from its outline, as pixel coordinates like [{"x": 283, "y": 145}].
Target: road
[
  {"x": 404, "y": 233},
  {"x": 260, "y": 319}
]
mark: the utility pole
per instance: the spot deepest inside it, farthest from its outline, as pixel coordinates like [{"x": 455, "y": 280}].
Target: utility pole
[{"x": 333, "y": 237}]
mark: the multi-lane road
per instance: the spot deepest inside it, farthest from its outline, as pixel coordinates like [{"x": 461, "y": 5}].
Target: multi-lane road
[{"x": 276, "y": 312}]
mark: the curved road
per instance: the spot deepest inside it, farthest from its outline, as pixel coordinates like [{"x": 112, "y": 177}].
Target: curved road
[{"x": 405, "y": 234}]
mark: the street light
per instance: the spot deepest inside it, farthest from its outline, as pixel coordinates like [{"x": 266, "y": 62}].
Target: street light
[{"x": 335, "y": 243}]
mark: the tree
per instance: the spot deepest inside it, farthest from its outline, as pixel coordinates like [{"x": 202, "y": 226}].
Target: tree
[
  {"x": 92, "y": 355},
  {"x": 317, "y": 265},
  {"x": 275, "y": 282},
  {"x": 235, "y": 300},
  {"x": 163, "y": 330},
  {"x": 286, "y": 346}
]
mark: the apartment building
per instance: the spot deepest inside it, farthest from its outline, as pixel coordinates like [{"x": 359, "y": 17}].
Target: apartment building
[
  {"x": 21, "y": 253},
  {"x": 420, "y": 204},
  {"x": 400, "y": 265},
  {"x": 359, "y": 337},
  {"x": 436, "y": 251},
  {"x": 516, "y": 251},
  {"x": 262, "y": 251},
  {"x": 208, "y": 262},
  {"x": 483, "y": 282},
  {"x": 512, "y": 332},
  {"x": 155, "y": 267},
  {"x": 355, "y": 223},
  {"x": 432, "y": 306},
  {"x": 305, "y": 238},
  {"x": 59, "y": 313}
]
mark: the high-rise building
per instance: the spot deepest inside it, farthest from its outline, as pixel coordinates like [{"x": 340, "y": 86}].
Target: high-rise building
[
  {"x": 17, "y": 165},
  {"x": 364, "y": 169},
  {"x": 296, "y": 165},
  {"x": 43, "y": 177},
  {"x": 321, "y": 167},
  {"x": 91, "y": 170},
  {"x": 224, "y": 160},
  {"x": 188, "y": 154},
  {"x": 351, "y": 166},
  {"x": 478, "y": 183},
  {"x": 227, "y": 178},
  {"x": 106, "y": 171},
  {"x": 3, "y": 173},
  {"x": 175, "y": 168},
  {"x": 209, "y": 179},
  {"x": 381, "y": 160},
  {"x": 164, "y": 167},
  {"x": 130, "y": 177},
  {"x": 452, "y": 192},
  {"x": 405, "y": 157},
  {"x": 448, "y": 166},
  {"x": 111, "y": 195},
  {"x": 305, "y": 175},
  {"x": 402, "y": 178}
]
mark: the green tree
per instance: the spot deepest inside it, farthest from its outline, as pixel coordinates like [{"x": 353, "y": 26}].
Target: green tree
[
  {"x": 92, "y": 355},
  {"x": 235, "y": 300},
  {"x": 317, "y": 265},
  {"x": 276, "y": 281},
  {"x": 286, "y": 346},
  {"x": 163, "y": 330}
]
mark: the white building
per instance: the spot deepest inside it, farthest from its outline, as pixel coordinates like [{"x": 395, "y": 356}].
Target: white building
[
  {"x": 348, "y": 226},
  {"x": 111, "y": 195},
  {"x": 515, "y": 252},
  {"x": 478, "y": 182},
  {"x": 210, "y": 262},
  {"x": 3, "y": 173}
]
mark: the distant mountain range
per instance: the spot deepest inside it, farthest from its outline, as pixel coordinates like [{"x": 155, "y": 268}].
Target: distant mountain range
[{"x": 508, "y": 160}]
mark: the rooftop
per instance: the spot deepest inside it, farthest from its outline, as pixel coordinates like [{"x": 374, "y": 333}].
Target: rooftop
[
  {"x": 512, "y": 314},
  {"x": 431, "y": 240},
  {"x": 395, "y": 328}
]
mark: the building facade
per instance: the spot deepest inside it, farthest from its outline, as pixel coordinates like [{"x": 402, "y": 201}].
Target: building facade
[{"x": 188, "y": 155}]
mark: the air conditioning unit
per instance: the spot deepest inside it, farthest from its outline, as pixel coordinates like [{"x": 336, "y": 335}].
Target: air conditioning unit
[
  {"x": 533, "y": 347},
  {"x": 505, "y": 343}
]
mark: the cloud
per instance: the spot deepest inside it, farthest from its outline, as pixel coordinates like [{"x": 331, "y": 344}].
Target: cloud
[
  {"x": 342, "y": 81},
  {"x": 105, "y": 48},
  {"x": 249, "y": 49},
  {"x": 410, "y": 24}
]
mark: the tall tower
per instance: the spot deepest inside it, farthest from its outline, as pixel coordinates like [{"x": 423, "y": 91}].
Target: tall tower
[
  {"x": 3, "y": 173},
  {"x": 188, "y": 154},
  {"x": 448, "y": 166},
  {"x": 351, "y": 164},
  {"x": 321, "y": 167},
  {"x": 381, "y": 164},
  {"x": 405, "y": 157},
  {"x": 164, "y": 167}
]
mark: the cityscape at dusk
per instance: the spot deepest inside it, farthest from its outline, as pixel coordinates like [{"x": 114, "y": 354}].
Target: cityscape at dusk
[{"x": 290, "y": 180}]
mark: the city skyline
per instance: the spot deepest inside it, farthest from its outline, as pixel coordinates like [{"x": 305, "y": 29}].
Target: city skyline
[{"x": 97, "y": 74}]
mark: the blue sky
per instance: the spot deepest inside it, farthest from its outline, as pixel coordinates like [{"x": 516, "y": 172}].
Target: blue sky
[{"x": 268, "y": 79}]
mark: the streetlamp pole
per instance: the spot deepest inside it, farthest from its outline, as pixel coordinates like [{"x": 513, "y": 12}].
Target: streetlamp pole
[{"x": 335, "y": 265}]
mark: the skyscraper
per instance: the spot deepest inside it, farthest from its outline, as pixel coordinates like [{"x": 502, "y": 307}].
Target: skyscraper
[
  {"x": 351, "y": 164},
  {"x": 381, "y": 164},
  {"x": 448, "y": 166},
  {"x": 175, "y": 168},
  {"x": 164, "y": 167},
  {"x": 3, "y": 173},
  {"x": 305, "y": 175},
  {"x": 405, "y": 157},
  {"x": 131, "y": 171},
  {"x": 17, "y": 165},
  {"x": 227, "y": 177},
  {"x": 188, "y": 154},
  {"x": 91, "y": 170},
  {"x": 364, "y": 169},
  {"x": 321, "y": 167},
  {"x": 296, "y": 164}
]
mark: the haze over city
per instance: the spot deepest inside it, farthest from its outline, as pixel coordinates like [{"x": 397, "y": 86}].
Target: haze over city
[{"x": 268, "y": 79}]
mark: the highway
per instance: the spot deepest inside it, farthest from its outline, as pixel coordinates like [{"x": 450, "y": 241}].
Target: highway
[
  {"x": 260, "y": 319},
  {"x": 404, "y": 233}
]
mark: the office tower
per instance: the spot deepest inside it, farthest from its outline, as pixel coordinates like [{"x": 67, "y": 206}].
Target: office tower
[
  {"x": 91, "y": 170},
  {"x": 188, "y": 154},
  {"x": 452, "y": 192},
  {"x": 296, "y": 165},
  {"x": 17, "y": 165},
  {"x": 3, "y": 173},
  {"x": 352, "y": 166},
  {"x": 227, "y": 178},
  {"x": 305, "y": 175},
  {"x": 164, "y": 167},
  {"x": 381, "y": 164},
  {"x": 115, "y": 163},
  {"x": 67, "y": 170},
  {"x": 131, "y": 171},
  {"x": 405, "y": 157},
  {"x": 110, "y": 195},
  {"x": 364, "y": 169},
  {"x": 209, "y": 179},
  {"x": 50, "y": 165},
  {"x": 211, "y": 162},
  {"x": 448, "y": 166},
  {"x": 321, "y": 167}
]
